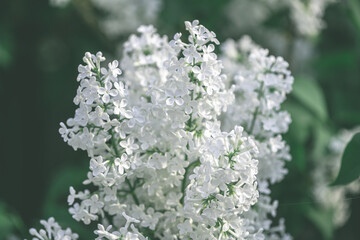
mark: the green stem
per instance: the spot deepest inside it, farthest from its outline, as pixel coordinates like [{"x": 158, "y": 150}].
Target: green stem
[
  {"x": 113, "y": 144},
  {"x": 253, "y": 120},
  {"x": 257, "y": 109},
  {"x": 132, "y": 188},
  {"x": 132, "y": 191},
  {"x": 183, "y": 183}
]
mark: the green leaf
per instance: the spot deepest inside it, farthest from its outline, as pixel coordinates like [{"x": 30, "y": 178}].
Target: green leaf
[
  {"x": 299, "y": 133},
  {"x": 298, "y": 153},
  {"x": 322, "y": 219},
  {"x": 59, "y": 187},
  {"x": 6, "y": 225},
  {"x": 55, "y": 203},
  {"x": 333, "y": 61},
  {"x": 354, "y": 10},
  {"x": 350, "y": 162},
  {"x": 309, "y": 93},
  {"x": 301, "y": 121},
  {"x": 322, "y": 136},
  {"x": 10, "y": 222}
]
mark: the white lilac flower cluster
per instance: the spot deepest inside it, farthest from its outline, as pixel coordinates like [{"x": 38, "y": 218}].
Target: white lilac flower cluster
[
  {"x": 52, "y": 230},
  {"x": 121, "y": 17},
  {"x": 333, "y": 198},
  {"x": 162, "y": 164},
  {"x": 306, "y": 15},
  {"x": 260, "y": 83}
]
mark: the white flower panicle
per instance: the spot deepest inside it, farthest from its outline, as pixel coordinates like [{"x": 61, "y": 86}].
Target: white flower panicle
[
  {"x": 260, "y": 83},
  {"x": 124, "y": 16},
  {"x": 121, "y": 17},
  {"x": 160, "y": 162},
  {"x": 306, "y": 15},
  {"x": 52, "y": 231}
]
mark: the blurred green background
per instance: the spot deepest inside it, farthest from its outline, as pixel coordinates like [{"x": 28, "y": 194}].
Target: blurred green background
[{"x": 40, "y": 49}]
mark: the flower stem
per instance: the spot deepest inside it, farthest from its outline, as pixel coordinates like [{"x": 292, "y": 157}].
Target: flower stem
[
  {"x": 131, "y": 188},
  {"x": 257, "y": 109},
  {"x": 183, "y": 183},
  {"x": 132, "y": 191}
]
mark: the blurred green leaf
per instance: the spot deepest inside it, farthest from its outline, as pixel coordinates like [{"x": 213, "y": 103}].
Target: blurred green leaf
[
  {"x": 350, "y": 162},
  {"x": 6, "y": 48},
  {"x": 354, "y": 10},
  {"x": 301, "y": 121},
  {"x": 298, "y": 153},
  {"x": 336, "y": 60},
  {"x": 6, "y": 225},
  {"x": 350, "y": 117},
  {"x": 309, "y": 93},
  {"x": 56, "y": 198},
  {"x": 10, "y": 223},
  {"x": 63, "y": 180},
  {"x": 299, "y": 132},
  {"x": 322, "y": 219},
  {"x": 322, "y": 136}
]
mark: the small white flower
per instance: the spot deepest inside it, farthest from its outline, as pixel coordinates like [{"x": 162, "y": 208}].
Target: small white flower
[
  {"x": 122, "y": 163},
  {"x": 72, "y": 196},
  {"x": 98, "y": 166},
  {"x": 84, "y": 72},
  {"x": 119, "y": 86},
  {"x": 119, "y": 108},
  {"x": 103, "y": 232},
  {"x": 107, "y": 92},
  {"x": 94, "y": 204},
  {"x": 175, "y": 97},
  {"x": 129, "y": 145}
]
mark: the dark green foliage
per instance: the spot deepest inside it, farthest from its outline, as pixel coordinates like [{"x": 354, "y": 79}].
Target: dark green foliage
[{"x": 350, "y": 162}]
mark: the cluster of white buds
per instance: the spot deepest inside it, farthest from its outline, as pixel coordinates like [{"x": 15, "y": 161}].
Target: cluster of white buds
[
  {"x": 307, "y": 16},
  {"x": 162, "y": 165},
  {"x": 260, "y": 83}
]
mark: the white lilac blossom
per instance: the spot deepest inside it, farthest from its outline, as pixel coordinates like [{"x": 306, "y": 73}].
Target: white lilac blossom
[
  {"x": 124, "y": 16},
  {"x": 306, "y": 15},
  {"x": 52, "y": 231},
  {"x": 333, "y": 198},
  {"x": 121, "y": 17},
  {"x": 260, "y": 83},
  {"x": 158, "y": 156},
  {"x": 161, "y": 164}
]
